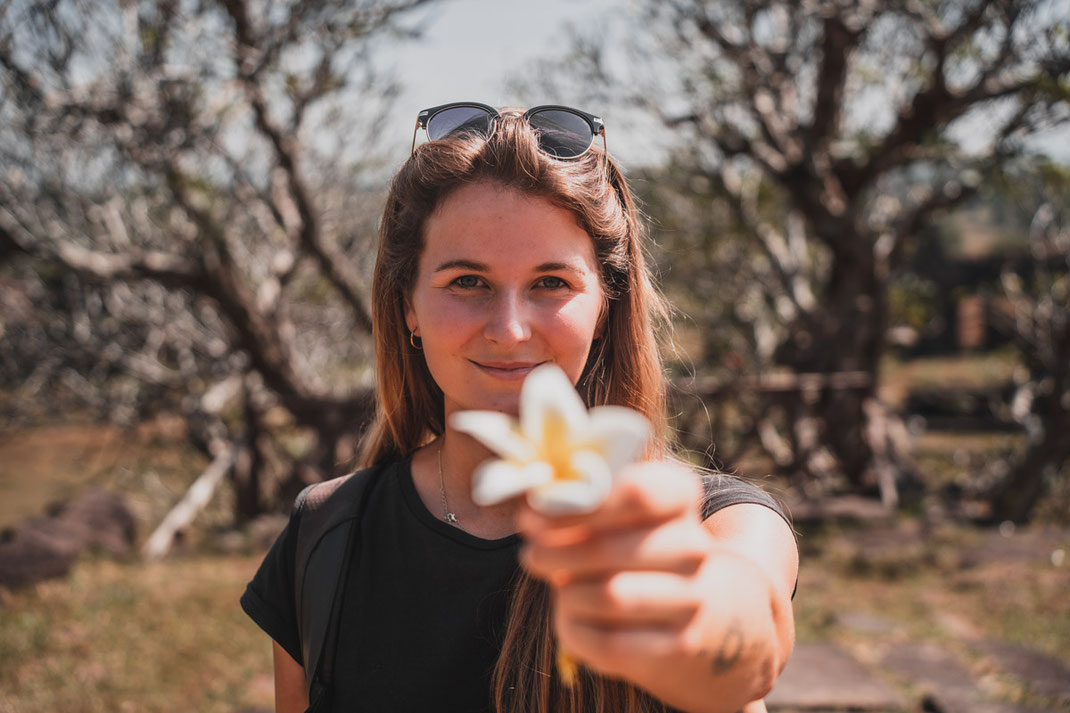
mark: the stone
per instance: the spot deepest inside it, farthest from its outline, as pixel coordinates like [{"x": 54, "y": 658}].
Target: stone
[
  {"x": 823, "y": 677},
  {"x": 947, "y": 685},
  {"x": 1045, "y": 675},
  {"x": 45, "y": 547}
]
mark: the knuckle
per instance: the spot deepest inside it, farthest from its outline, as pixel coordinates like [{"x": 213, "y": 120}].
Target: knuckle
[
  {"x": 615, "y": 593},
  {"x": 533, "y": 559},
  {"x": 616, "y": 648},
  {"x": 689, "y": 644}
]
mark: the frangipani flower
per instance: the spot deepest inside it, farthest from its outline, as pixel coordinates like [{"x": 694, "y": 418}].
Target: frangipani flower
[{"x": 559, "y": 453}]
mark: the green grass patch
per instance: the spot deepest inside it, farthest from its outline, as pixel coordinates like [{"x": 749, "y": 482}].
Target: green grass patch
[{"x": 115, "y": 637}]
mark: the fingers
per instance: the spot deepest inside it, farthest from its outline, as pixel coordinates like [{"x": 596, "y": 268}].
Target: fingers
[
  {"x": 677, "y": 546},
  {"x": 629, "y": 599},
  {"x": 615, "y": 648},
  {"x": 643, "y": 494}
]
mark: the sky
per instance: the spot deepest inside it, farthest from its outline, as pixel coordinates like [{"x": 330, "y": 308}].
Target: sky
[{"x": 470, "y": 48}]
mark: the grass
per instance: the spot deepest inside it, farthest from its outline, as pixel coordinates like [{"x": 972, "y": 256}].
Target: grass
[
  {"x": 131, "y": 637},
  {"x": 952, "y": 372},
  {"x": 170, "y": 636}
]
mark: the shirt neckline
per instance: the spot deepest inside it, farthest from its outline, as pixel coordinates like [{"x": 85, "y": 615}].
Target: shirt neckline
[{"x": 419, "y": 510}]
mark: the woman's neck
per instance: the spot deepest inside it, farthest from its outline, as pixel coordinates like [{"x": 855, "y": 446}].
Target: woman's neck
[{"x": 446, "y": 465}]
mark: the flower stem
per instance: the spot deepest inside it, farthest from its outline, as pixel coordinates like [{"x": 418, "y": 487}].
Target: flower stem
[{"x": 567, "y": 667}]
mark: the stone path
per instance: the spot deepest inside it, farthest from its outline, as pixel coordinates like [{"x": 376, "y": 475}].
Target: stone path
[{"x": 821, "y": 677}]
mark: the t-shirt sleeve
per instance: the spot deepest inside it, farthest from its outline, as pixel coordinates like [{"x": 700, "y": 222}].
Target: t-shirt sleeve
[
  {"x": 269, "y": 597},
  {"x": 723, "y": 490}
]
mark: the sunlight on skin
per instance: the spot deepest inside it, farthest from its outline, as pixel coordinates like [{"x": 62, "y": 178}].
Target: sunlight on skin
[{"x": 562, "y": 456}]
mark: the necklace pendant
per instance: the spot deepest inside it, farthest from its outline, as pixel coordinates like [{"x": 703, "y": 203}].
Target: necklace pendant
[{"x": 450, "y": 517}]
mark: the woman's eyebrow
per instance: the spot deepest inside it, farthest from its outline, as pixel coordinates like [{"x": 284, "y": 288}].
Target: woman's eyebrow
[
  {"x": 462, "y": 264},
  {"x": 553, "y": 266},
  {"x": 465, "y": 264}
]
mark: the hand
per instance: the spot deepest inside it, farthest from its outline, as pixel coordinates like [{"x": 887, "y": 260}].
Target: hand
[
  {"x": 638, "y": 592},
  {"x": 624, "y": 578}
]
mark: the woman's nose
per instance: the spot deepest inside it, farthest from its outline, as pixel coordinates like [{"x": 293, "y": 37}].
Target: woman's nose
[{"x": 508, "y": 321}]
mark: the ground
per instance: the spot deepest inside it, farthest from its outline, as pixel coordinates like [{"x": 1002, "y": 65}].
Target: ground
[{"x": 895, "y": 614}]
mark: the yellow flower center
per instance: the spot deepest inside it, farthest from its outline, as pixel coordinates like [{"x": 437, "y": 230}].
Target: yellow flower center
[{"x": 557, "y": 448}]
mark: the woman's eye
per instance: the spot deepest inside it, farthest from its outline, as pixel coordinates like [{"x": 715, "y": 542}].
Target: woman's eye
[
  {"x": 467, "y": 281},
  {"x": 552, "y": 283}
]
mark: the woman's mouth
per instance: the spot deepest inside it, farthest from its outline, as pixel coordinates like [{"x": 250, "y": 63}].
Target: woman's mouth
[{"x": 508, "y": 370}]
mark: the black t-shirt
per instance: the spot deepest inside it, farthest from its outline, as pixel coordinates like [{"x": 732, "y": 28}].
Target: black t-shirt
[{"x": 425, "y": 606}]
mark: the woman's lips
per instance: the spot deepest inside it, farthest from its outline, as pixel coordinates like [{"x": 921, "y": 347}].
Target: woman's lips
[{"x": 506, "y": 370}]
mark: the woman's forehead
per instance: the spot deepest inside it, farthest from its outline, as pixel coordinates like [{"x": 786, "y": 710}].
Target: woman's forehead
[{"x": 485, "y": 222}]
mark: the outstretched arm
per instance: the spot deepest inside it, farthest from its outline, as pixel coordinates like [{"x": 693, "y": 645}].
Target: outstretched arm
[{"x": 697, "y": 613}]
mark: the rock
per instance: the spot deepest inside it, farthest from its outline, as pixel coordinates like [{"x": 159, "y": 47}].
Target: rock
[
  {"x": 29, "y": 555},
  {"x": 103, "y": 521},
  {"x": 46, "y": 547},
  {"x": 947, "y": 685},
  {"x": 823, "y": 677},
  {"x": 1046, "y": 676},
  {"x": 264, "y": 530}
]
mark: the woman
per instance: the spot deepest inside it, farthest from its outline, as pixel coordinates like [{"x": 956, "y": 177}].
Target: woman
[{"x": 508, "y": 241}]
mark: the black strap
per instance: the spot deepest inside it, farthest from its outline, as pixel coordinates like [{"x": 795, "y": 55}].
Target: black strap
[
  {"x": 322, "y": 683},
  {"x": 330, "y": 513}
]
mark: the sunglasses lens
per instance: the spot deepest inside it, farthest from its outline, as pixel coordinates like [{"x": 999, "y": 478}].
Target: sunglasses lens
[
  {"x": 562, "y": 134},
  {"x": 458, "y": 119}
]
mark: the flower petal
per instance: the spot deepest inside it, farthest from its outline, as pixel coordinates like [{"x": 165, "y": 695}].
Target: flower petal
[
  {"x": 619, "y": 434},
  {"x": 564, "y": 497},
  {"x": 496, "y": 431},
  {"x": 550, "y": 408},
  {"x": 498, "y": 480}
]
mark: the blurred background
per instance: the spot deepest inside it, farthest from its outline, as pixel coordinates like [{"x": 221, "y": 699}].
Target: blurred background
[{"x": 858, "y": 209}]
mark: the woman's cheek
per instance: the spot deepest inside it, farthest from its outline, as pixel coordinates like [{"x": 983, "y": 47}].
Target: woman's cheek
[
  {"x": 572, "y": 330},
  {"x": 450, "y": 315}
]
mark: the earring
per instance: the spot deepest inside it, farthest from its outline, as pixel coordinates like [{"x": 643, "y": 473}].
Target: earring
[{"x": 412, "y": 341}]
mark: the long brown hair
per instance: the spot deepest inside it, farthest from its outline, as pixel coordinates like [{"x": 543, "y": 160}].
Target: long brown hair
[{"x": 624, "y": 367}]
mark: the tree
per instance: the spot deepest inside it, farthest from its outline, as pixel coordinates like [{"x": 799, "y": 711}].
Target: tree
[
  {"x": 832, "y": 132},
  {"x": 188, "y": 175},
  {"x": 1038, "y": 319}
]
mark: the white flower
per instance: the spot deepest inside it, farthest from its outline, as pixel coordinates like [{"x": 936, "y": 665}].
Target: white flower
[{"x": 563, "y": 456}]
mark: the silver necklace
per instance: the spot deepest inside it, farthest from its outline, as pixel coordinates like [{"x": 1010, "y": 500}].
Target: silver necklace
[{"x": 450, "y": 517}]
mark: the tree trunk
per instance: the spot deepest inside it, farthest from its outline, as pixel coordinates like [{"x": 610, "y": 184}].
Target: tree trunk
[
  {"x": 1016, "y": 497},
  {"x": 847, "y": 336}
]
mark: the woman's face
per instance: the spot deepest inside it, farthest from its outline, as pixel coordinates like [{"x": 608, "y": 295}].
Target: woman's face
[{"x": 506, "y": 282}]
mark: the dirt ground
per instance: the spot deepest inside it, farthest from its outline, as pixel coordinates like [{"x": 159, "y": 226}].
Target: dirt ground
[{"x": 985, "y": 608}]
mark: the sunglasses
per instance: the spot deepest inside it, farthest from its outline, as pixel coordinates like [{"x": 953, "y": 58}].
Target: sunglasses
[{"x": 563, "y": 132}]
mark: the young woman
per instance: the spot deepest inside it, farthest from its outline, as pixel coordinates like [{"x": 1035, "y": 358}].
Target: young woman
[{"x": 510, "y": 240}]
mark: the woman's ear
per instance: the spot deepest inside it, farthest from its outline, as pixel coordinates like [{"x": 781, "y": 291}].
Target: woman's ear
[{"x": 410, "y": 317}]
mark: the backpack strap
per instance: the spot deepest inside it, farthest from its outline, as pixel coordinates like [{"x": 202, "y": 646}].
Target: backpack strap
[{"x": 326, "y": 533}]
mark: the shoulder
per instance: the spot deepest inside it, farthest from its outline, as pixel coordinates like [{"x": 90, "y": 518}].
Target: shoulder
[
  {"x": 748, "y": 520},
  {"x": 337, "y": 492},
  {"x": 721, "y": 490},
  {"x": 321, "y": 507}
]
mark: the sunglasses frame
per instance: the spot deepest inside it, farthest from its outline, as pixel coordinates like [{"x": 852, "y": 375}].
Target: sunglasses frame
[{"x": 598, "y": 127}]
